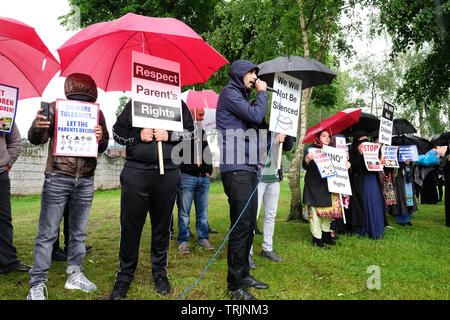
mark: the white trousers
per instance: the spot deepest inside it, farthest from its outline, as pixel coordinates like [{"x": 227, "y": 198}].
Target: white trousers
[
  {"x": 268, "y": 193},
  {"x": 317, "y": 224}
]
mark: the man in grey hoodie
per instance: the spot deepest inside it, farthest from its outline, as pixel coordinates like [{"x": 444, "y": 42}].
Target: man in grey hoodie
[
  {"x": 10, "y": 146},
  {"x": 236, "y": 121}
]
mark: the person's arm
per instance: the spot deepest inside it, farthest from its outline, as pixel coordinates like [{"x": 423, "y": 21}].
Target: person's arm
[
  {"x": 104, "y": 139},
  {"x": 41, "y": 128},
  {"x": 239, "y": 106},
  {"x": 13, "y": 145},
  {"x": 123, "y": 131}
]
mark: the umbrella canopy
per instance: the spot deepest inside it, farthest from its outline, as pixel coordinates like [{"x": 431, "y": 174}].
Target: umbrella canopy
[
  {"x": 367, "y": 122},
  {"x": 103, "y": 50},
  {"x": 402, "y": 126},
  {"x": 334, "y": 124},
  {"x": 201, "y": 99},
  {"x": 25, "y": 61},
  {"x": 311, "y": 72},
  {"x": 442, "y": 139},
  {"x": 423, "y": 145}
]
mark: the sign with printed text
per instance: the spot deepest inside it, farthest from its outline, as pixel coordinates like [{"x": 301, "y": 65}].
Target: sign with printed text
[
  {"x": 408, "y": 153},
  {"x": 8, "y": 107},
  {"x": 74, "y": 128},
  {"x": 386, "y": 124},
  {"x": 390, "y": 155},
  {"x": 156, "y": 93},
  {"x": 323, "y": 162},
  {"x": 341, "y": 143},
  {"x": 285, "y": 105},
  {"x": 371, "y": 159},
  {"x": 340, "y": 183}
]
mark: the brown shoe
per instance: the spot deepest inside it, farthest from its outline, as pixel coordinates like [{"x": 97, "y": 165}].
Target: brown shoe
[
  {"x": 206, "y": 245},
  {"x": 183, "y": 248}
]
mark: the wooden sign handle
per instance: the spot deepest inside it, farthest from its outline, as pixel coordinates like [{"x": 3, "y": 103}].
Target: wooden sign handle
[
  {"x": 160, "y": 156},
  {"x": 280, "y": 154}
]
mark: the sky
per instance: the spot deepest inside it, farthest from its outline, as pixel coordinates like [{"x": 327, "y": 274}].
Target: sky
[{"x": 43, "y": 16}]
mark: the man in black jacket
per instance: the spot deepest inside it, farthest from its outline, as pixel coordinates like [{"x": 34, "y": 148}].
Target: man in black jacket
[{"x": 145, "y": 190}]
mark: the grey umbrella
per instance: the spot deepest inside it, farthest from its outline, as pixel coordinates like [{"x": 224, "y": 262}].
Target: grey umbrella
[{"x": 311, "y": 72}]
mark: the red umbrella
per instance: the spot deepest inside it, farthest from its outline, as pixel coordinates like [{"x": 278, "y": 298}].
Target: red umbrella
[
  {"x": 334, "y": 124},
  {"x": 25, "y": 61},
  {"x": 103, "y": 50}
]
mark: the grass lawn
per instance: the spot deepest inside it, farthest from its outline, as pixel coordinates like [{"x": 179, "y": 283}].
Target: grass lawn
[{"x": 413, "y": 261}]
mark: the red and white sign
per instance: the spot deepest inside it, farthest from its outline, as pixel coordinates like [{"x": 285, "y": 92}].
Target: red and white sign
[
  {"x": 8, "y": 107},
  {"x": 370, "y": 152},
  {"x": 156, "y": 93}
]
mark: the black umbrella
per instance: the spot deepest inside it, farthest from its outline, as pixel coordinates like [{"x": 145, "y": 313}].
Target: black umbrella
[
  {"x": 423, "y": 145},
  {"x": 402, "y": 126},
  {"x": 311, "y": 72},
  {"x": 367, "y": 123},
  {"x": 442, "y": 139}
]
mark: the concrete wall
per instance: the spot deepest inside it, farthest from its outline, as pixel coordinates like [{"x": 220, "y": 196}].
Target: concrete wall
[{"x": 27, "y": 174}]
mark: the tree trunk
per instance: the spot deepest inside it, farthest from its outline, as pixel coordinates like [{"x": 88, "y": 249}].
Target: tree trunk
[
  {"x": 421, "y": 120},
  {"x": 296, "y": 166},
  {"x": 295, "y": 171}
]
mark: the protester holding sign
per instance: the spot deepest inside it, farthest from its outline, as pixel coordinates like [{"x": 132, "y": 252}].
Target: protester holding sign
[
  {"x": 323, "y": 206},
  {"x": 269, "y": 186},
  {"x": 406, "y": 199},
  {"x": 144, "y": 190},
  {"x": 367, "y": 201},
  {"x": 67, "y": 179}
]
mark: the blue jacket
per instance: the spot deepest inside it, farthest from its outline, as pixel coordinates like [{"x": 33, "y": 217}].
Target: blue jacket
[{"x": 239, "y": 148}]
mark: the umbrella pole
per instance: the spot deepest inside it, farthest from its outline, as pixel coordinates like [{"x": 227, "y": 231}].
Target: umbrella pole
[{"x": 160, "y": 156}]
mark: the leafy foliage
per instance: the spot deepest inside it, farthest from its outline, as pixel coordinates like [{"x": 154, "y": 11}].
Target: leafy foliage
[{"x": 413, "y": 25}]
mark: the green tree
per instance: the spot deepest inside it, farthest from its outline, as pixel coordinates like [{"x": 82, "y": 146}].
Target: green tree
[
  {"x": 415, "y": 25},
  {"x": 197, "y": 14}
]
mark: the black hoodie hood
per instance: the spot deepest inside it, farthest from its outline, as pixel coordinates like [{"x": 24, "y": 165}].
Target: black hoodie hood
[{"x": 237, "y": 72}]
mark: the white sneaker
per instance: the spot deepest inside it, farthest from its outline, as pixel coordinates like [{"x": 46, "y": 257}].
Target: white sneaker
[
  {"x": 37, "y": 292},
  {"x": 77, "y": 280}
]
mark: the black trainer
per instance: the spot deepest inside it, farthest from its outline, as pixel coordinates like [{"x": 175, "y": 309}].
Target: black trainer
[
  {"x": 162, "y": 285},
  {"x": 253, "y": 283},
  {"x": 58, "y": 254},
  {"x": 241, "y": 294},
  {"x": 120, "y": 290}
]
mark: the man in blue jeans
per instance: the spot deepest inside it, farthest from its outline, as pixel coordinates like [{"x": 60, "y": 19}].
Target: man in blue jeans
[
  {"x": 194, "y": 186},
  {"x": 67, "y": 180}
]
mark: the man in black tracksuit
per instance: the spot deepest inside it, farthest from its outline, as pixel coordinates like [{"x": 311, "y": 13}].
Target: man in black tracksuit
[
  {"x": 145, "y": 190},
  {"x": 236, "y": 121}
]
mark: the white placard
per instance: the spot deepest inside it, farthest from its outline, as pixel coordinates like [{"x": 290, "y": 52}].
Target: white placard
[
  {"x": 8, "y": 107},
  {"x": 156, "y": 93},
  {"x": 370, "y": 153},
  {"x": 323, "y": 162},
  {"x": 390, "y": 155},
  {"x": 386, "y": 124},
  {"x": 74, "y": 128},
  {"x": 340, "y": 183},
  {"x": 284, "y": 117}
]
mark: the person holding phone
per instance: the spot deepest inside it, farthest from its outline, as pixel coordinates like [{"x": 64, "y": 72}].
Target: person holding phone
[{"x": 67, "y": 180}]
